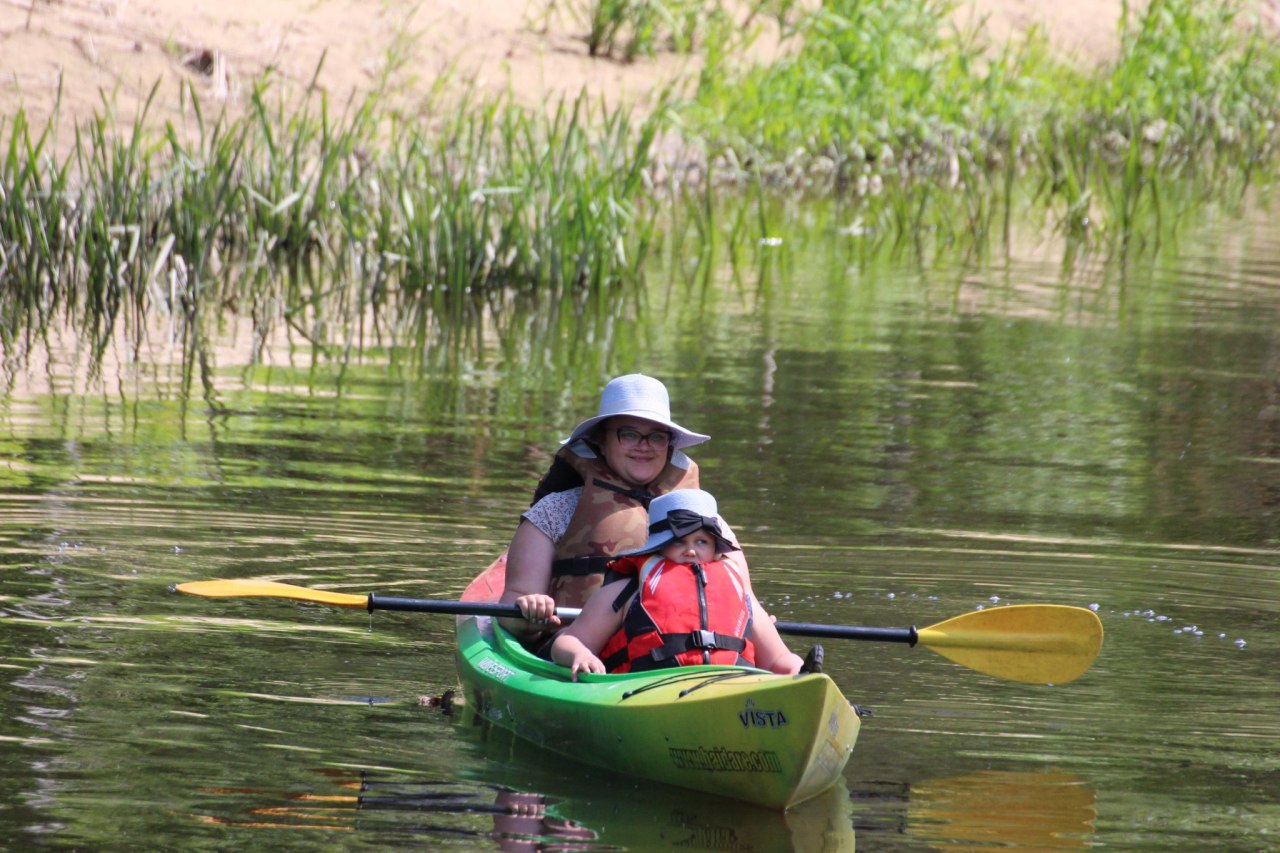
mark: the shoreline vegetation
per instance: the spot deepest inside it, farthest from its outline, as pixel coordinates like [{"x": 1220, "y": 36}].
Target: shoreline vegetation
[{"x": 326, "y": 217}]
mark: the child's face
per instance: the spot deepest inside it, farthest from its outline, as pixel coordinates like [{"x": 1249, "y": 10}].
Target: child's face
[{"x": 697, "y": 547}]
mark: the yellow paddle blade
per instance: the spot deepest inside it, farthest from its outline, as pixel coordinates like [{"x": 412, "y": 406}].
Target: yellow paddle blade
[
  {"x": 1036, "y": 643},
  {"x": 270, "y": 589}
]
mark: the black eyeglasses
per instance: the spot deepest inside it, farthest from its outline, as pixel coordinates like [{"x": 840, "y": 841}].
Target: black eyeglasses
[{"x": 629, "y": 437}]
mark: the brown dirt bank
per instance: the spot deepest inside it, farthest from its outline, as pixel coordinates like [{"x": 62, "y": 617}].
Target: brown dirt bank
[{"x": 98, "y": 51}]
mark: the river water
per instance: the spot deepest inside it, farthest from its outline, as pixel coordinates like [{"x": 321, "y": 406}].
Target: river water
[{"x": 896, "y": 442}]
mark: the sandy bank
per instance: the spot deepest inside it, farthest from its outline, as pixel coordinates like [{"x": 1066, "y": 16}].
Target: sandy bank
[{"x": 76, "y": 55}]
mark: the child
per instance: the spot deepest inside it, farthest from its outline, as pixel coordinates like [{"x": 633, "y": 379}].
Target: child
[{"x": 682, "y": 601}]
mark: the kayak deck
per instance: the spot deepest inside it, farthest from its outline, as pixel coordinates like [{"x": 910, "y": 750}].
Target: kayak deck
[{"x": 731, "y": 731}]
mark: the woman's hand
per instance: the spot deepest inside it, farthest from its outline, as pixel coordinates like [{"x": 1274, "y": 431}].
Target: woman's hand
[
  {"x": 538, "y": 610},
  {"x": 529, "y": 580}
]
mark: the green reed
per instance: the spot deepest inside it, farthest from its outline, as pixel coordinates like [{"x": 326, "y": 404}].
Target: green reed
[
  {"x": 866, "y": 83},
  {"x": 1192, "y": 97},
  {"x": 314, "y": 218},
  {"x": 628, "y": 29},
  {"x": 877, "y": 96}
]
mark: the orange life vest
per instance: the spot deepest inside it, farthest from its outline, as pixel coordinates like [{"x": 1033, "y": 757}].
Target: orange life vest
[
  {"x": 610, "y": 517},
  {"x": 684, "y": 614}
]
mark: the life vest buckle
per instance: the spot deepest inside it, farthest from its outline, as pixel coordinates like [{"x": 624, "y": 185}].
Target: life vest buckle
[{"x": 703, "y": 639}]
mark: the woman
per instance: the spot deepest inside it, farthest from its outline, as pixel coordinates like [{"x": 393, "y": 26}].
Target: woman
[{"x": 593, "y": 502}]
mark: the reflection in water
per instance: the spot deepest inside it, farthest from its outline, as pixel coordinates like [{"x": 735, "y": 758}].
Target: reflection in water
[
  {"x": 570, "y": 808},
  {"x": 387, "y": 803},
  {"x": 597, "y": 815},
  {"x": 527, "y": 823},
  {"x": 529, "y": 334},
  {"x": 995, "y": 810},
  {"x": 648, "y": 816},
  {"x": 658, "y": 817},
  {"x": 264, "y": 809}
]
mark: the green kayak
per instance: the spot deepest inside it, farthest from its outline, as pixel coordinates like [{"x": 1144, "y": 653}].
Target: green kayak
[{"x": 737, "y": 732}]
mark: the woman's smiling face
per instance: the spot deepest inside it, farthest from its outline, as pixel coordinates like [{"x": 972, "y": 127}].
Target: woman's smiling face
[{"x": 637, "y": 462}]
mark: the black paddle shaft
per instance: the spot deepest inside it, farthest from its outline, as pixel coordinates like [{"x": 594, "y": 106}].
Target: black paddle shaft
[
  {"x": 487, "y": 608},
  {"x": 849, "y": 632},
  {"x": 460, "y": 608}
]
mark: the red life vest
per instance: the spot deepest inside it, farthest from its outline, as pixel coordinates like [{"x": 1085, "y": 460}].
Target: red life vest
[
  {"x": 610, "y": 517},
  {"x": 685, "y": 614}
]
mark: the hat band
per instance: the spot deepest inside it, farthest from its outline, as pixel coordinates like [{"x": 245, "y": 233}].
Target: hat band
[{"x": 682, "y": 522}]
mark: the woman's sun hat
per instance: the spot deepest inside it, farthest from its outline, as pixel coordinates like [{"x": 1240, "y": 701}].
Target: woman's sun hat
[
  {"x": 638, "y": 396},
  {"x": 677, "y": 514}
]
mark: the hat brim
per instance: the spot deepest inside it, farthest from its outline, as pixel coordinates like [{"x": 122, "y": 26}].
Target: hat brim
[
  {"x": 659, "y": 540},
  {"x": 655, "y": 542},
  {"x": 681, "y": 437}
]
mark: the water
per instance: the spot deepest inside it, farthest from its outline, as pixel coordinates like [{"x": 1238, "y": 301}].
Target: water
[{"x": 895, "y": 443}]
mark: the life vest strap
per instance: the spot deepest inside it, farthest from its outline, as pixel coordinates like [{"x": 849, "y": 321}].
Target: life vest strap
[
  {"x": 627, "y": 591},
  {"x": 673, "y": 645},
  {"x": 640, "y": 496},
  {"x": 578, "y": 566}
]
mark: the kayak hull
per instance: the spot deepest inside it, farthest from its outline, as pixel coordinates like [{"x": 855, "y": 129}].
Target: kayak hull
[{"x": 736, "y": 732}]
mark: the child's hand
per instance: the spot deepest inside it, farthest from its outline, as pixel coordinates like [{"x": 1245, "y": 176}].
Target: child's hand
[
  {"x": 538, "y": 610},
  {"x": 584, "y": 661}
]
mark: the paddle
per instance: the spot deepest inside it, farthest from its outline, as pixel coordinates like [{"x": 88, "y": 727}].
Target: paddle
[{"x": 1035, "y": 643}]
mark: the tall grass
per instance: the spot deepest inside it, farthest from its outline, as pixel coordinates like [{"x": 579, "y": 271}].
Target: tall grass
[
  {"x": 345, "y": 213},
  {"x": 1192, "y": 99},
  {"x": 1194, "y": 77},
  {"x": 869, "y": 81},
  {"x": 876, "y": 95},
  {"x": 866, "y": 87},
  {"x": 628, "y": 29}
]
